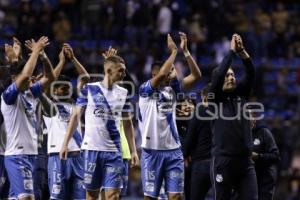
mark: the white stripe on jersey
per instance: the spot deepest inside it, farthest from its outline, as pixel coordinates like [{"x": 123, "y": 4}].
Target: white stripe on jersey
[
  {"x": 57, "y": 128},
  {"x": 97, "y": 137},
  {"x": 157, "y": 118}
]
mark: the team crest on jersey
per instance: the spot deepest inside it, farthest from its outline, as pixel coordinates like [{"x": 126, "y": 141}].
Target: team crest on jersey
[
  {"x": 56, "y": 189},
  {"x": 99, "y": 98},
  {"x": 165, "y": 102},
  {"x": 219, "y": 178},
  {"x": 28, "y": 185},
  {"x": 256, "y": 141},
  {"x": 149, "y": 187}
]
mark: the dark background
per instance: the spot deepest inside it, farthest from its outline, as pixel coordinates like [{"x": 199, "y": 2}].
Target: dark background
[{"x": 270, "y": 30}]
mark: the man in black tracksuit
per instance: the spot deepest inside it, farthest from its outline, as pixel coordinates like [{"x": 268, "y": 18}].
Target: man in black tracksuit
[
  {"x": 266, "y": 157},
  {"x": 197, "y": 147},
  {"x": 232, "y": 167}
]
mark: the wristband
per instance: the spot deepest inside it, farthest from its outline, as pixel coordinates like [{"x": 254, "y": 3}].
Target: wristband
[{"x": 186, "y": 53}]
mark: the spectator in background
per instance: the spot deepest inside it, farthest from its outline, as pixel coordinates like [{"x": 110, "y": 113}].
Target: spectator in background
[
  {"x": 295, "y": 42},
  {"x": 261, "y": 35},
  {"x": 198, "y": 32},
  {"x": 164, "y": 19},
  {"x": 282, "y": 81},
  {"x": 280, "y": 18},
  {"x": 61, "y": 28},
  {"x": 278, "y": 47},
  {"x": 164, "y": 22}
]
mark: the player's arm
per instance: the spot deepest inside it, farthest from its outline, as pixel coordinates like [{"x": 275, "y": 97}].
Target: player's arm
[
  {"x": 60, "y": 64},
  {"x": 130, "y": 136},
  {"x": 219, "y": 73},
  {"x": 13, "y": 53},
  {"x": 84, "y": 77},
  {"x": 247, "y": 83},
  {"x": 271, "y": 154},
  {"x": 27, "y": 72},
  {"x": 48, "y": 107},
  {"x": 72, "y": 125},
  {"x": 75, "y": 117},
  {"x": 48, "y": 76},
  {"x": 166, "y": 68},
  {"x": 195, "y": 73}
]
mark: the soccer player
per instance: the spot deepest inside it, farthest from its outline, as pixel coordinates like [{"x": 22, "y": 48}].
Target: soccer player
[
  {"x": 12, "y": 53},
  {"x": 105, "y": 105},
  {"x": 266, "y": 157},
  {"x": 197, "y": 148},
  {"x": 232, "y": 166},
  {"x": 65, "y": 176},
  {"x": 124, "y": 144},
  {"x": 162, "y": 157},
  {"x": 18, "y": 109}
]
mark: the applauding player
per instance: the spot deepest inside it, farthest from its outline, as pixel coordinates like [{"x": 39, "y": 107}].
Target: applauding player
[{"x": 162, "y": 159}]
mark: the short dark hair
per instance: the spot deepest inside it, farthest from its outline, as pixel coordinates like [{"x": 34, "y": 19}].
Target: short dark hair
[
  {"x": 115, "y": 59},
  {"x": 17, "y": 67},
  {"x": 158, "y": 64},
  {"x": 62, "y": 78}
]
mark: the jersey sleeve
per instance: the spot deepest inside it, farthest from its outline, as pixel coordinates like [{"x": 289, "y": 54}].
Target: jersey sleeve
[
  {"x": 146, "y": 89},
  {"x": 10, "y": 94},
  {"x": 128, "y": 106},
  {"x": 82, "y": 97},
  {"x": 36, "y": 89}
]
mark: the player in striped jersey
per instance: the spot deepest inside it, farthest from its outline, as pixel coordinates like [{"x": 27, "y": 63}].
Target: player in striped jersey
[
  {"x": 65, "y": 176},
  {"x": 18, "y": 109},
  {"x": 162, "y": 158},
  {"x": 105, "y": 105}
]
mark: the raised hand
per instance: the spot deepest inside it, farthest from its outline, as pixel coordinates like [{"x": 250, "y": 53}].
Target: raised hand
[
  {"x": 38, "y": 46},
  {"x": 68, "y": 51},
  {"x": 10, "y": 53},
  {"x": 233, "y": 42},
  {"x": 17, "y": 47},
  {"x": 239, "y": 43},
  {"x": 110, "y": 52},
  {"x": 61, "y": 56},
  {"x": 183, "y": 41},
  {"x": 171, "y": 44}
]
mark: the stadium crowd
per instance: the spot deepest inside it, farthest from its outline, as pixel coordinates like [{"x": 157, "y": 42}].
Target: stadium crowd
[{"x": 139, "y": 28}]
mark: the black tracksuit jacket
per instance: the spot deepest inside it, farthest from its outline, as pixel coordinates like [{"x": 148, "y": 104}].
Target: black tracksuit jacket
[{"x": 231, "y": 137}]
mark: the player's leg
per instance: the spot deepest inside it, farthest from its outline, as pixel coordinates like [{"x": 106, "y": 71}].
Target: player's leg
[
  {"x": 56, "y": 177},
  {"x": 112, "y": 180},
  {"x": 152, "y": 173},
  {"x": 93, "y": 166},
  {"x": 221, "y": 177},
  {"x": 125, "y": 177},
  {"x": 174, "y": 174},
  {"x": 4, "y": 182},
  {"x": 19, "y": 170},
  {"x": 78, "y": 190},
  {"x": 200, "y": 179},
  {"x": 247, "y": 187}
]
